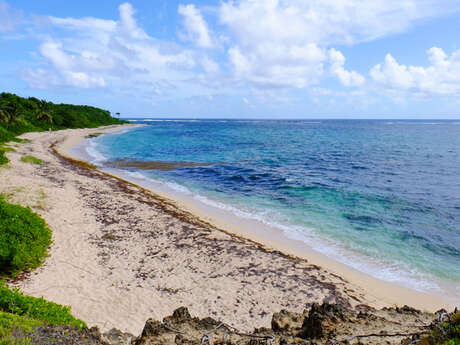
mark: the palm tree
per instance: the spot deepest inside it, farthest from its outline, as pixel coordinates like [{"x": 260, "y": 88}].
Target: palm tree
[
  {"x": 44, "y": 115},
  {"x": 4, "y": 116},
  {"x": 43, "y": 112}
]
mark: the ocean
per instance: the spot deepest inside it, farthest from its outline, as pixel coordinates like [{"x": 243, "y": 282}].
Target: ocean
[{"x": 380, "y": 196}]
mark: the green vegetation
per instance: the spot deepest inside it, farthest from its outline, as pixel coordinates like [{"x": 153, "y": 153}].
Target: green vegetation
[
  {"x": 10, "y": 323},
  {"x": 31, "y": 160},
  {"x": 452, "y": 329},
  {"x": 22, "y": 314},
  {"x": 19, "y": 115},
  {"x": 3, "y": 159},
  {"x": 24, "y": 238},
  {"x": 110, "y": 237},
  {"x": 445, "y": 333},
  {"x": 24, "y": 235},
  {"x": 14, "y": 302}
]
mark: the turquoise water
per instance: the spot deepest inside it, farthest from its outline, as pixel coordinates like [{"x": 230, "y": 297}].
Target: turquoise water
[{"x": 381, "y": 196}]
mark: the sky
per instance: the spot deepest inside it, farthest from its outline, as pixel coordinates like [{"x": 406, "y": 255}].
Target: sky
[{"x": 237, "y": 59}]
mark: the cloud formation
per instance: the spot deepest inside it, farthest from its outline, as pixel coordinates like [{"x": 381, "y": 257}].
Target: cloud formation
[
  {"x": 196, "y": 28},
  {"x": 284, "y": 43},
  {"x": 327, "y": 22},
  {"x": 347, "y": 78},
  {"x": 441, "y": 77},
  {"x": 260, "y": 47},
  {"x": 101, "y": 52}
]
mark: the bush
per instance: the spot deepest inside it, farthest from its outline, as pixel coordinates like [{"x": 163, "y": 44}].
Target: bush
[
  {"x": 14, "y": 302},
  {"x": 24, "y": 238},
  {"x": 10, "y": 322},
  {"x": 31, "y": 160},
  {"x": 4, "y": 135},
  {"x": 3, "y": 159}
]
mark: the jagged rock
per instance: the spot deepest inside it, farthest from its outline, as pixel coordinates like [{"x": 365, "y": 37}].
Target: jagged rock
[
  {"x": 408, "y": 310},
  {"x": 326, "y": 324},
  {"x": 61, "y": 335},
  {"x": 117, "y": 337},
  {"x": 321, "y": 320},
  {"x": 181, "y": 314},
  {"x": 283, "y": 320},
  {"x": 181, "y": 340}
]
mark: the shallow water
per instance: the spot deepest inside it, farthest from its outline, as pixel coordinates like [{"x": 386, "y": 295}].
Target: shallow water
[{"x": 381, "y": 196}]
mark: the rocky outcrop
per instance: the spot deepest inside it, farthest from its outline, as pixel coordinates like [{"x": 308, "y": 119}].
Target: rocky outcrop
[
  {"x": 324, "y": 324},
  {"x": 320, "y": 324}
]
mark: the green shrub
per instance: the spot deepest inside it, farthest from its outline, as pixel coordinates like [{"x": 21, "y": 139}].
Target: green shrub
[
  {"x": 10, "y": 322},
  {"x": 3, "y": 159},
  {"x": 7, "y": 149},
  {"x": 4, "y": 135},
  {"x": 14, "y": 302},
  {"x": 24, "y": 238},
  {"x": 31, "y": 160}
]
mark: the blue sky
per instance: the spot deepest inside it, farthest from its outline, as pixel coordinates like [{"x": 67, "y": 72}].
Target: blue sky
[{"x": 247, "y": 58}]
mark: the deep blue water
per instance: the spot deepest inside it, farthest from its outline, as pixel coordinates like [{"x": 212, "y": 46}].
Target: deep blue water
[{"x": 382, "y": 196}]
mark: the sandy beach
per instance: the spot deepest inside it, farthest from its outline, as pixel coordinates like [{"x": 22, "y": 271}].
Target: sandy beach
[{"x": 122, "y": 253}]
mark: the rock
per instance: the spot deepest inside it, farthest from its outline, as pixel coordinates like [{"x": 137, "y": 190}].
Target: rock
[
  {"x": 181, "y": 314},
  {"x": 321, "y": 320},
  {"x": 117, "y": 337},
  {"x": 281, "y": 321},
  {"x": 152, "y": 328},
  {"x": 407, "y": 310},
  {"x": 325, "y": 324}
]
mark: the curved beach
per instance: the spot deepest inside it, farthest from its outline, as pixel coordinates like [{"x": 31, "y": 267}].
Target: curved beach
[{"x": 123, "y": 253}]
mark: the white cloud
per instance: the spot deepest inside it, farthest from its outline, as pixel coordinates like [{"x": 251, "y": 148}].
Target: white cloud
[
  {"x": 265, "y": 47},
  {"x": 347, "y": 78},
  {"x": 99, "y": 53},
  {"x": 89, "y": 24},
  {"x": 197, "y": 29},
  {"x": 284, "y": 43},
  {"x": 326, "y": 21},
  {"x": 209, "y": 65},
  {"x": 127, "y": 23},
  {"x": 441, "y": 77},
  {"x": 277, "y": 66}
]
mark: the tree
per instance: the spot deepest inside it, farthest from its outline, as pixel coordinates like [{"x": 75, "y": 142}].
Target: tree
[
  {"x": 43, "y": 112},
  {"x": 4, "y": 116}
]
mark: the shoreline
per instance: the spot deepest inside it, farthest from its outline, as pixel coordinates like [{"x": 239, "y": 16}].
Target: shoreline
[
  {"x": 123, "y": 253},
  {"x": 379, "y": 292}
]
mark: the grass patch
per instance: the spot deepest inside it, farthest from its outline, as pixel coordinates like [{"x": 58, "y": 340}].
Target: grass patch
[
  {"x": 31, "y": 160},
  {"x": 19, "y": 140},
  {"x": 446, "y": 333},
  {"x": 20, "y": 315},
  {"x": 24, "y": 239},
  {"x": 7, "y": 149},
  {"x": 12, "y": 192},
  {"x": 15, "y": 302},
  {"x": 40, "y": 200},
  {"x": 3, "y": 159},
  {"x": 10, "y": 323},
  {"x": 3, "y": 149},
  {"x": 108, "y": 236}
]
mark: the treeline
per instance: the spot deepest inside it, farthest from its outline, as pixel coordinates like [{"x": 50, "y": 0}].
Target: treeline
[{"x": 19, "y": 115}]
